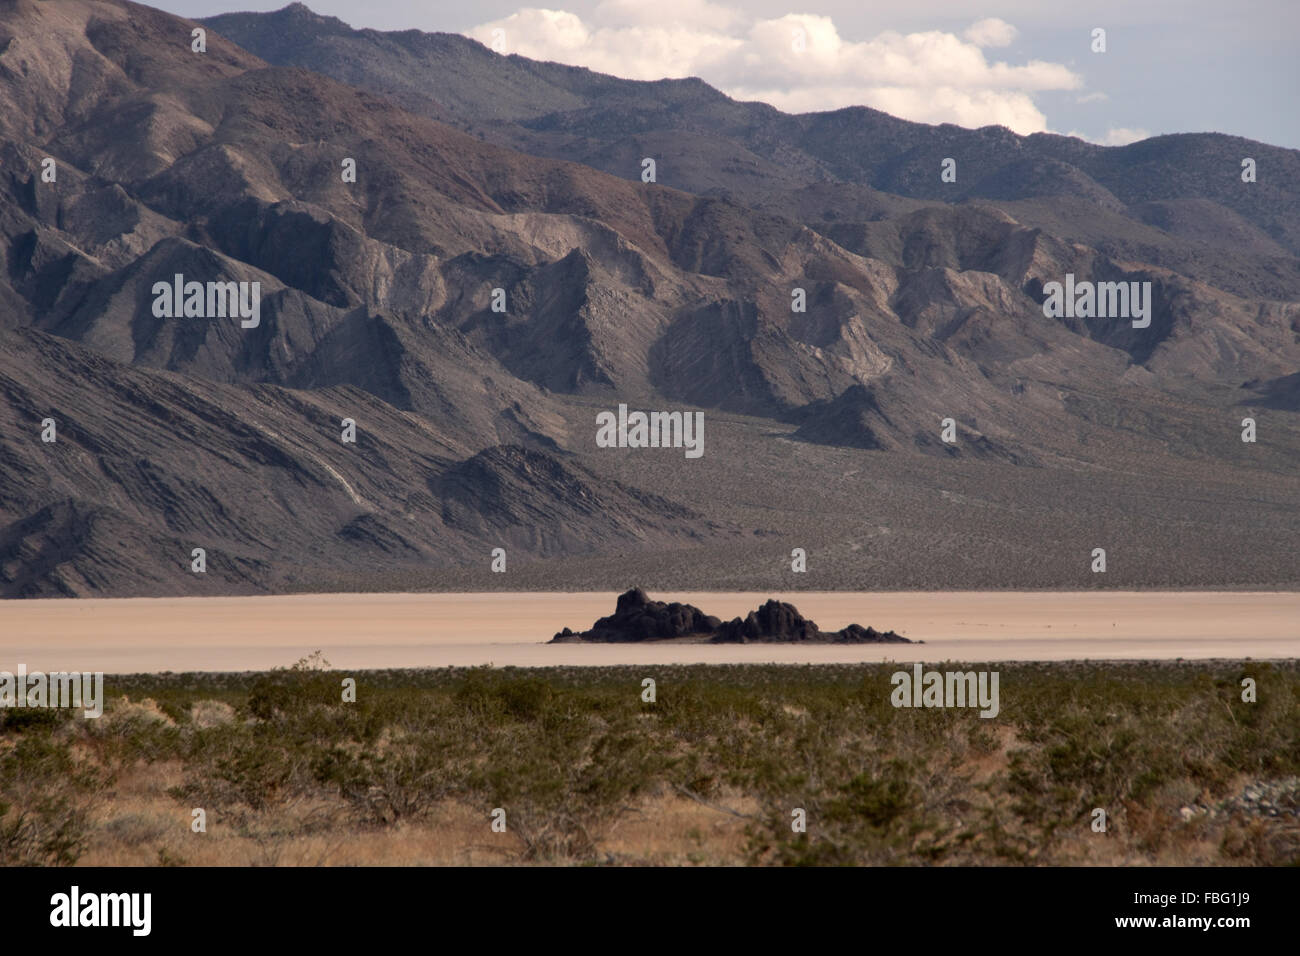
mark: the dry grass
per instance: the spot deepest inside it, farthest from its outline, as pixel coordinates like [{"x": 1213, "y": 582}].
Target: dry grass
[{"x": 145, "y": 828}]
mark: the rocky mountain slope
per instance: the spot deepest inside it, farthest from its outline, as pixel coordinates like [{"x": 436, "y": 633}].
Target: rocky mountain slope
[
  {"x": 491, "y": 281},
  {"x": 713, "y": 144}
]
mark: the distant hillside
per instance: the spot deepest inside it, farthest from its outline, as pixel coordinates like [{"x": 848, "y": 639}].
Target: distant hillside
[
  {"x": 710, "y": 143},
  {"x": 472, "y": 304}
]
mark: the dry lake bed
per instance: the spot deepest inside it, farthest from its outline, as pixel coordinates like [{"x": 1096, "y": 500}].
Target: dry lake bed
[{"x": 359, "y": 631}]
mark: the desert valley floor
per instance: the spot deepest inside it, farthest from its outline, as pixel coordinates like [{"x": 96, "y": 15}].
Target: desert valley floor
[{"x": 368, "y": 631}]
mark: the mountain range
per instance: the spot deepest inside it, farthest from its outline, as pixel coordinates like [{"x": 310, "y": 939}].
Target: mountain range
[{"x": 498, "y": 273}]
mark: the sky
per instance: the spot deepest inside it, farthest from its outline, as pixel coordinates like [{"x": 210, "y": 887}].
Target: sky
[{"x": 1169, "y": 66}]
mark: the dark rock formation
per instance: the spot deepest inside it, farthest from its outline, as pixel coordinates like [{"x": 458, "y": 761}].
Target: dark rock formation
[
  {"x": 637, "y": 618},
  {"x": 853, "y": 419},
  {"x": 779, "y": 623}
]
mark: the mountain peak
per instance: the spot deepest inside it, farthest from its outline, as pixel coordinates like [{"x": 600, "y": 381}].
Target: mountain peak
[{"x": 301, "y": 13}]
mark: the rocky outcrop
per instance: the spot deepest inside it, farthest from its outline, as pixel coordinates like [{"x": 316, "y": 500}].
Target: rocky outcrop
[
  {"x": 637, "y": 618},
  {"x": 779, "y": 623},
  {"x": 853, "y": 419}
]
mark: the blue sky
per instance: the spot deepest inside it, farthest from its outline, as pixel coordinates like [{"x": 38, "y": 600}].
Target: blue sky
[{"x": 1169, "y": 66}]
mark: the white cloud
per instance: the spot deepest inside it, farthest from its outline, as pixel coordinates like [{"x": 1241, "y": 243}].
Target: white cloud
[
  {"x": 697, "y": 13},
  {"x": 1116, "y": 136},
  {"x": 1123, "y": 135},
  {"x": 640, "y": 52},
  {"x": 1096, "y": 97},
  {"x": 991, "y": 32},
  {"x": 798, "y": 62}
]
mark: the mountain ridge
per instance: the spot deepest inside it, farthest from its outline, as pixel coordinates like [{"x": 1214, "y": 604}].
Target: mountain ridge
[{"x": 475, "y": 425}]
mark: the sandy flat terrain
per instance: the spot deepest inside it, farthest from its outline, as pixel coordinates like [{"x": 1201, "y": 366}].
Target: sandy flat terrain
[{"x": 438, "y": 630}]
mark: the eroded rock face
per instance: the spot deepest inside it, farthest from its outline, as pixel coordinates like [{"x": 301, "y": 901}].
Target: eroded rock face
[{"x": 637, "y": 618}]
